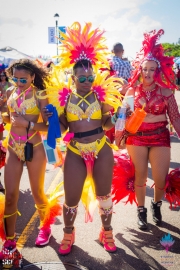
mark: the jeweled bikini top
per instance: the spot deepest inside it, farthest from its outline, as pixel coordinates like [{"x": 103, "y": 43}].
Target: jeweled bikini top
[
  {"x": 155, "y": 102},
  {"x": 74, "y": 112},
  {"x": 27, "y": 106}
]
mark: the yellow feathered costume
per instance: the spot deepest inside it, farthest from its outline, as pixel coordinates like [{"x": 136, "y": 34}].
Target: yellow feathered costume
[{"x": 78, "y": 44}]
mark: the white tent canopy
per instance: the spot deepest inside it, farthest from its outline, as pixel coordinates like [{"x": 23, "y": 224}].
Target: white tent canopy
[{"x": 7, "y": 54}]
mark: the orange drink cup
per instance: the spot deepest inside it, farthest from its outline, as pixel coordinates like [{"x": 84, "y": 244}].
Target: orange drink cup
[{"x": 135, "y": 120}]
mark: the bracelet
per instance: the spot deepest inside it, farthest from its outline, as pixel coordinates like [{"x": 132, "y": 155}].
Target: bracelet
[
  {"x": 114, "y": 119},
  {"x": 31, "y": 125}
]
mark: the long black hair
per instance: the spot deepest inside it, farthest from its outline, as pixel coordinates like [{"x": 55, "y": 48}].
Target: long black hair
[{"x": 41, "y": 74}]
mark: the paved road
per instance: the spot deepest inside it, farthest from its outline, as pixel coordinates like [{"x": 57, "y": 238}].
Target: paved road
[{"x": 135, "y": 249}]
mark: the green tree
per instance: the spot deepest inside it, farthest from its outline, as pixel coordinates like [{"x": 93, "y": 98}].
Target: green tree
[{"x": 172, "y": 49}]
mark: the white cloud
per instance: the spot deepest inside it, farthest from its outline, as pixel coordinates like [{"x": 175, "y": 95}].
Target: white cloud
[{"x": 24, "y": 23}]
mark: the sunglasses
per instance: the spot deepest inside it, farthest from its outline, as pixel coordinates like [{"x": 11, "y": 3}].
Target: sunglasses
[
  {"x": 2, "y": 75},
  {"x": 82, "y": 79},
  {"x": 21, "y": 80}
]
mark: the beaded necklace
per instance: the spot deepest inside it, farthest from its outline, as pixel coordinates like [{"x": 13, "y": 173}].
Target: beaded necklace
[{"x": 148, "y": 93}]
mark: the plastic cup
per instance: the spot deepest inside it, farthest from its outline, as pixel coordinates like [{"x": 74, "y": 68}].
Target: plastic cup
[
  {"x": 135, "y": 120},
  {"x": 130, "y": 101}
]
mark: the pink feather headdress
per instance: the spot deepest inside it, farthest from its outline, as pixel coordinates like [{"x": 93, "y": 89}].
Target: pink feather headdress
[{"x": 82, "y": 43}]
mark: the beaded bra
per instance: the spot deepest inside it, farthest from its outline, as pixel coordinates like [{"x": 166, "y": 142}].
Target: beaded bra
[
  {"x": 155, "y": 103},
  {"x": 26, "y": 106},
  {"x": 74, "y": 112}
]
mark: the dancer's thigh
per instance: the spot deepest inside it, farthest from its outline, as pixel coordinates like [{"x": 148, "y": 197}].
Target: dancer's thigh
[
  {"x": 74, "y": 177},
  {"x": 159, "y": 158},
  {"x": 139, "y": 156},
  {"x": 36, "y": 170},
  {"x": 103, "y": 170},
  {"x": 12, "y": 175}
]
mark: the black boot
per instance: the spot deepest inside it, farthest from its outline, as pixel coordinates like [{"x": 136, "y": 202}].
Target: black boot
[
  {"x": 156, "y": 212},
  {"x": 142, "y": 218}
]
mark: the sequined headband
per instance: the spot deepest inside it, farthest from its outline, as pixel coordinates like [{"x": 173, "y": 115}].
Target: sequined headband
[{"x": 150, "y": 57}]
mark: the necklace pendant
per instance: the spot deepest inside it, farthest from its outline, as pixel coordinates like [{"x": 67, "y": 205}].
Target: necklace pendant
[
  {"x": 82, "y": 104},
  {"x": 148, "y": 95}
]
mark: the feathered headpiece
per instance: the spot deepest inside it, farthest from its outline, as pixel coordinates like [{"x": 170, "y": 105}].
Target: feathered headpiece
[
  {"x": 79, "y": 44},
  {"x": 154, "y": 52},
  {"x": 58, "y": 91}
]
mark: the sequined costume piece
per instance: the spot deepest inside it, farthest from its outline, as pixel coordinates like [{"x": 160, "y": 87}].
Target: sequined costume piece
[
  {"x": 71, "y": 209},
  {"x": 18, "y": 147},
  {"x": 27, "y": 106},
  {"x": 105, "y": 205},
  {"x": 74, "y": 112},
  {"x": 155, "y": 102},
  {"x": 162, "y": 139}
]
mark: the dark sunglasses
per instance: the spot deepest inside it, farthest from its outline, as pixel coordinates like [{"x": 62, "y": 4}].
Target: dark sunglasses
[
  {"x": 21, "y": 80},
  {"x": 82, "y": 79},
  {"x": 2, "y": 75}
]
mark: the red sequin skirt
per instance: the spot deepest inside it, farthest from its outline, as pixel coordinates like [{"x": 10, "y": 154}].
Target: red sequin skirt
[{"x": 162, "y": 139}]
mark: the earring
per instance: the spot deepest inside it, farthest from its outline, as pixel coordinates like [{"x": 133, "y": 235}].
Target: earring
[{"x": 32, "y": 82}]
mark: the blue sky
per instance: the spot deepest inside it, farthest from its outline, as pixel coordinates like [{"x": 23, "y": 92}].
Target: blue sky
[{"x": 24, "y": 23}]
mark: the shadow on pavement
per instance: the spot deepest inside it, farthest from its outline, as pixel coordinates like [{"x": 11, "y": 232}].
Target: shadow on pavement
[
  {"x": 153, "y": 237},
  {"x": 143, "y": 261},
  {"x": 174, "y": 165},
  {"x": 174, "y": 139},
  {"x": 118, "y": 260},
  {"x": 170, "y": 228},
  {"x": 151, "y": 240}
]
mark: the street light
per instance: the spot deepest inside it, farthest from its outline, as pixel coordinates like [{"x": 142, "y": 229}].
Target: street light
[{"x": 56, "y": 17}]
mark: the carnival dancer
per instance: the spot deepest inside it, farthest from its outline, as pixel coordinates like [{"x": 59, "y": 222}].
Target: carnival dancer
[
  {"x": 85, "y": 112},
  {"x": 24, "y": 110},
  {"x": 152, "y": 140}
]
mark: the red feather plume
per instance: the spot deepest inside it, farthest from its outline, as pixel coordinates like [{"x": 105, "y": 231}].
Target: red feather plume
[
  {"x": 172, "y": 188},
  {"x": 123, "y": 178}
]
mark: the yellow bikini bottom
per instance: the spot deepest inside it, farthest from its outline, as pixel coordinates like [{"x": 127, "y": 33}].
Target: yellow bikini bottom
[
  {"x": 18, "y": 148},
  {"x": 86, "y": 148}
]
